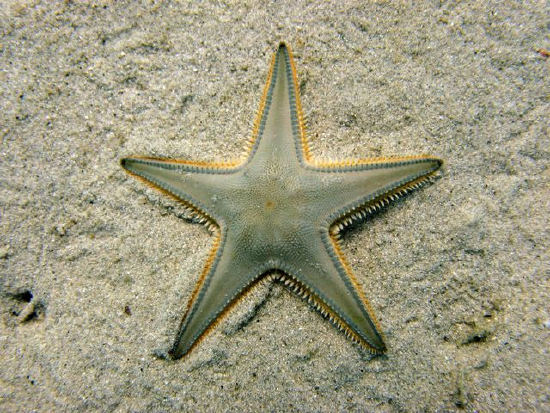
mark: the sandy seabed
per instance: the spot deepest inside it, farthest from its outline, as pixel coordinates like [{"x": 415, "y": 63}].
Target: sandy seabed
[{"x": 96, "y": 269}]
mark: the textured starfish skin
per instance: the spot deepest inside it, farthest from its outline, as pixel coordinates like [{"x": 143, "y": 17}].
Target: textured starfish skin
[{"x": 279, "y": 211}]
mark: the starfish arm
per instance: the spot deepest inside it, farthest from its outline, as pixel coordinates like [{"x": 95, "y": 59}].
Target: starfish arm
[
  {"x": 363, "y": 186},
  {"x": 193, "y": 184},
  {"x": 326, "y": 280},
  {"x": 279, "y": 123},
  {"x": 225, "y": 279}
]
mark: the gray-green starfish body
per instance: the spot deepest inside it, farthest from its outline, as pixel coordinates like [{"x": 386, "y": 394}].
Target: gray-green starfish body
[{"x": 279, "y": 212}]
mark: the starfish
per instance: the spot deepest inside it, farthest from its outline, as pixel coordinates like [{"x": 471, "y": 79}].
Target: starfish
[{"x": 278, "y": 213}]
